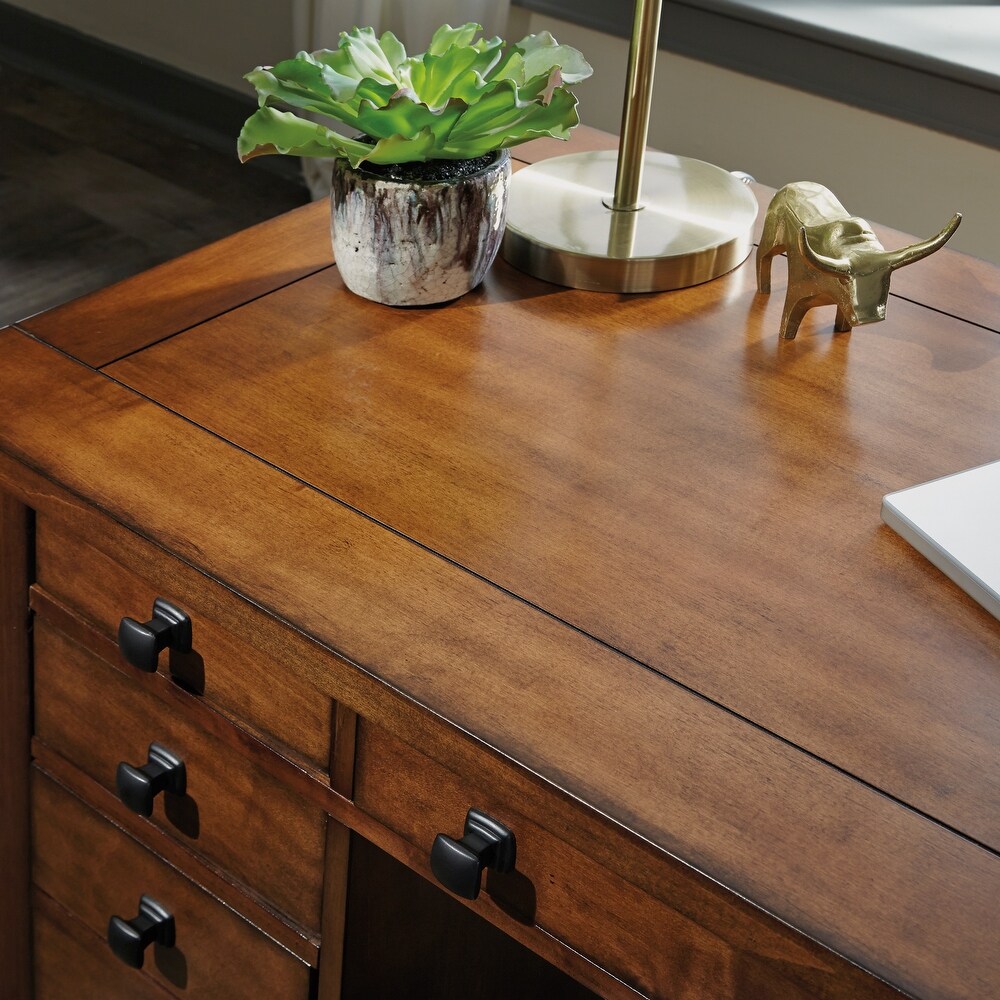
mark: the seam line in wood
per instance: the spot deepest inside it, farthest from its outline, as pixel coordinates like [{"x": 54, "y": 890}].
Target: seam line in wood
[{"x": 170, "y": 336}]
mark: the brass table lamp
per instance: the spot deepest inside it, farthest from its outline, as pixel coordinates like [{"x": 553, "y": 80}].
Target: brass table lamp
[{"x": 635, "y": 221}]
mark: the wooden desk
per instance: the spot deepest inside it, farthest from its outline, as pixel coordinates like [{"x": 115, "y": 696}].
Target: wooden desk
[{"x": 609, "y": 568}]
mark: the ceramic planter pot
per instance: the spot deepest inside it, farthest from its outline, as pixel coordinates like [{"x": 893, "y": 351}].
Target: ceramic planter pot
[{"x": 412, "y": 244}]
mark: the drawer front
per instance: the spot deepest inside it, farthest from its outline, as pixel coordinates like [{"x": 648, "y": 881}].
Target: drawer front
[
  {"x": 70, "y": 960},
  {"x": 233, "y": 813},
  {"x": 618, "y": 927},
  {"x": 238, "y": 678},
  {"x": 95, "y": 871}
]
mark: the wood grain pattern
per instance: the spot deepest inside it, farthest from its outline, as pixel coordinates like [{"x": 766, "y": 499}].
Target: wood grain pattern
[
  {"x": 702, "y": 525},
  {"x": 233, "y": 813},
  {"x": 649, "y": 946},
  {"x": 173, "y": 296},
  {"x": 15, "y": 756},
  {"x": 230, "y": 669},
  {"x": 838, "y": 861},
  {"x": 72, "y": 961},
  {"x": 218, "y": 954}
]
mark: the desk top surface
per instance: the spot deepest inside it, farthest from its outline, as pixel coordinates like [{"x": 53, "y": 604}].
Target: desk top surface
[{"x": 633, "y": 545}]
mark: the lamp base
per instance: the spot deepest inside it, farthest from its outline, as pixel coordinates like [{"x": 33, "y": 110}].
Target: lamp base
[{"x": 695, "y": 223}]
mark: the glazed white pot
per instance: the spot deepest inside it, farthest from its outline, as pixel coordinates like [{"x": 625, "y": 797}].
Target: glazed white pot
[{"x": 411, "y": 244}]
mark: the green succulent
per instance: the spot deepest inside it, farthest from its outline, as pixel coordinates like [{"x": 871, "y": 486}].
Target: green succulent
[{"x": 459, "y": 99}]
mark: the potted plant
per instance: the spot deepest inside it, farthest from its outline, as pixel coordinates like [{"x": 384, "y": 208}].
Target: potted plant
[{"x": 419, "y": 194}]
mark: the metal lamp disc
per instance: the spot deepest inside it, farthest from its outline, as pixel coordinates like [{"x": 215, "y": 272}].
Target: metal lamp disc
[{"x": 695, "y": 223}]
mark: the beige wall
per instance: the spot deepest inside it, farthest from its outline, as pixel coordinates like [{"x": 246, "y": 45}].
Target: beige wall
[{"x": 898, "y": 174}]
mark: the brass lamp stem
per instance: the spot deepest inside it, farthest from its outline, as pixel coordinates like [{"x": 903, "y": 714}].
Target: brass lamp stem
[{"x": 635, "y": 110}]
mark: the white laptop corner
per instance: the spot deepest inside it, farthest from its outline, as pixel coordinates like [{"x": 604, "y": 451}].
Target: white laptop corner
[{"x": 955, "y": 523}]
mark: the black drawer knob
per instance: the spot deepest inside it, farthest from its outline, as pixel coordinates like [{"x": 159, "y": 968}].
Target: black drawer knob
[
  {"x": 138, "y": 786},
  {"x": 130, "y": 938},
  {"x": 141, "y": 642},
  {"x": 458, "y": 864}
]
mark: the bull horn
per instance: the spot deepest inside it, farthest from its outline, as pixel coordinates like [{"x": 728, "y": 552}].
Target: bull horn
[
  {"x": 839, "y": 265},
  {"x": 909, "y": 255}
]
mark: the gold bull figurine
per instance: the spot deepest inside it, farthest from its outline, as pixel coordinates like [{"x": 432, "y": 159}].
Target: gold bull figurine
[{"x": 833, "y": 258}]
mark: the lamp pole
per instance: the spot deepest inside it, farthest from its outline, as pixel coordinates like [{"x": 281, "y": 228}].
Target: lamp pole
[{"x": 636, "y": 105}]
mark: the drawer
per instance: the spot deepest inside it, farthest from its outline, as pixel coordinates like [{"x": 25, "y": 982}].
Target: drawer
[
  {"x": 235, "y": 814},
  {"x": 72, "y": 961},
  {"x": 229, "y": 671},
  {"x": 635, "y": 937},
  {"x": 95, "y": 871}
]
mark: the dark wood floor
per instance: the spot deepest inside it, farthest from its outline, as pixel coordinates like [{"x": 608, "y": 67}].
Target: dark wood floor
[{"x": 89, "y": 195}]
